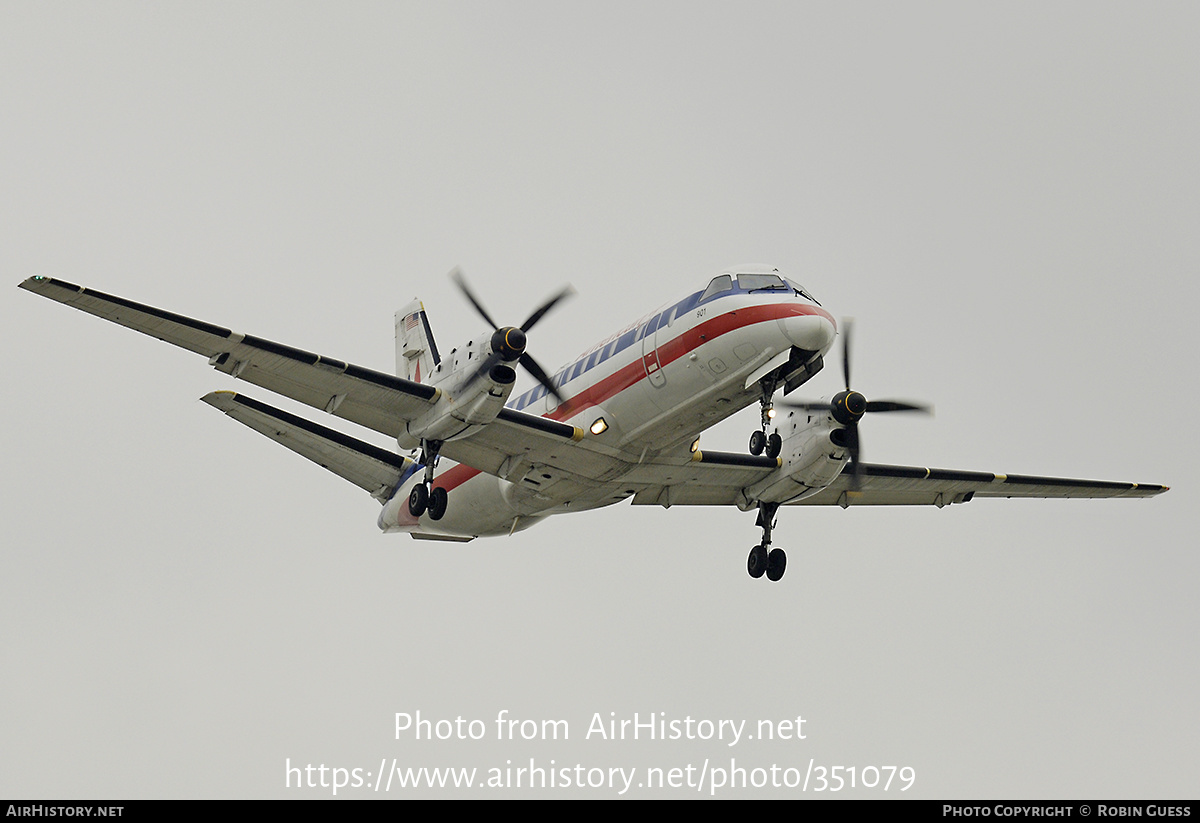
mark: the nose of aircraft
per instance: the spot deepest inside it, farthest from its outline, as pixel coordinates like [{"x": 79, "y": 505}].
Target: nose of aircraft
[{"x": 811, "y": 332}]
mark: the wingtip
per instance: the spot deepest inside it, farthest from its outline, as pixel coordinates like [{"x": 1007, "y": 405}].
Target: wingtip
[{"x": 43, "y": 284}]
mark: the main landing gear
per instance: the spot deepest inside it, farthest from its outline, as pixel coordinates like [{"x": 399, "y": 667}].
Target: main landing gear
[
  {"x": 763, "y": 559},
  {"x": 759, "y": 441},
  {"x": 424, "y": 497}
]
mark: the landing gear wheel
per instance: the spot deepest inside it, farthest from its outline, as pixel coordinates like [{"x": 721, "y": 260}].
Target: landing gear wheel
[
  {"x": 776, "y": 563},
  {"x": 757, "y": 562},
  {"x": 774, "y": 445},
  {"x": 758, "y": 442},
  {"x": 437, "y": 503},
  {"x": 418, "y": 500}
]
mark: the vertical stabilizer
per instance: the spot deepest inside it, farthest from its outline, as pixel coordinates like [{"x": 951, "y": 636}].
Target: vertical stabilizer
[{"x": 416, "y": 353}]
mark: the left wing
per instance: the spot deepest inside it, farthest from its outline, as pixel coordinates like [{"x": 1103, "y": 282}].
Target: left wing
[
  {"x": 703, "y": 484},
  {"x": 373, "y": 399}
]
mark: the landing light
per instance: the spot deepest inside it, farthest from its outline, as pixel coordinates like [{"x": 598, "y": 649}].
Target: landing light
[
  {"x": 771, "y": 413},
  {"x": 600, "y": 426},
  {"x": 695, "y": 445}
]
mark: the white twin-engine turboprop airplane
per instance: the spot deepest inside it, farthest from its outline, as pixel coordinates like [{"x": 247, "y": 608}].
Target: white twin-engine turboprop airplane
[{"x": 620, "y": 421}]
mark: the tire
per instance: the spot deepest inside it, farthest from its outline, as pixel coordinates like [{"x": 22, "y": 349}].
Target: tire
[
  {"x": 774, "y": 445},
  {"x": 418, "y": 500},
  {"x": 776, "y": 564},
  {"x": 438, "y": 500},
  {"x": 756, "y": 563},
  {"x": 758, "y": 442}
]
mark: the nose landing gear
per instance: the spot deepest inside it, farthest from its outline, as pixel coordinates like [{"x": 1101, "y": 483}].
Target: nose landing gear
[
  {"x": 763, "y": 559},
  {"x": 760, "y": 442}
]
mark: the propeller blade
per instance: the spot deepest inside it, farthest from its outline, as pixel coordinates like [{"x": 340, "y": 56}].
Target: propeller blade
[
  {"x": 897, "y": 405},
  {"x": 461, "y": 282},
  {"x": 540, "y": 375},
  {"x": 545, "y": 307},
  {"x": 854, "y": 446},
  {"x": 814, "y": 405},
  {"x": 848, "y": 326},
  {"x": 872, "y": 406}
]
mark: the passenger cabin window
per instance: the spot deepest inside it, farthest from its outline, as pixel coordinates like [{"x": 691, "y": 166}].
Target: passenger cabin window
[{"x": 719, "y": 284}]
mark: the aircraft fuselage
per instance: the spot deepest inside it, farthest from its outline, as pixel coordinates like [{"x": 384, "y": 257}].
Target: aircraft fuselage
[{"x": 656, "y": 385}]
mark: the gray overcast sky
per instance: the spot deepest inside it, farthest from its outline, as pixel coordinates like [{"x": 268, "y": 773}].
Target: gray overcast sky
[{"x": 1004, "y": 197}]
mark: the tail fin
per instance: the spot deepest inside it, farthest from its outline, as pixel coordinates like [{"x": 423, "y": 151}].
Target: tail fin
[{"x": 416, "y": 353}]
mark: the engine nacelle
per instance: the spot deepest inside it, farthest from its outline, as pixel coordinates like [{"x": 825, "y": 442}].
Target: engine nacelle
[
  {"x": 466, "y": 404},
  {"x": 814, "y": 453}
]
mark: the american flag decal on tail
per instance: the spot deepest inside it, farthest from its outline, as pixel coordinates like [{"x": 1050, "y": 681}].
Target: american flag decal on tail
[{"x": 416, "y": 353}]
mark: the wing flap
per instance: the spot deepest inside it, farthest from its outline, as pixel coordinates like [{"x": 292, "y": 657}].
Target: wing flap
[
  {"x": 373, "y": 399},
  {"x": 372, "y": 469}
]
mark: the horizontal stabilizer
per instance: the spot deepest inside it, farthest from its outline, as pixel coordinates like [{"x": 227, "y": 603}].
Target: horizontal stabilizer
[{"x": 369, "y": 467}]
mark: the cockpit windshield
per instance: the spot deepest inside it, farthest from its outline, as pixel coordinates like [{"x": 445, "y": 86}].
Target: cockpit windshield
[
  {"x": 755, "y": 282},
  {"x": 772, "y": 282},
  {"x": 719, "y": 284},
  {"x": 803, "y": 292}
]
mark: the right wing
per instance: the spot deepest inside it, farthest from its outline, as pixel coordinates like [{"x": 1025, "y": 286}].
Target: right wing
[{"x": 373, "y": 399}]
